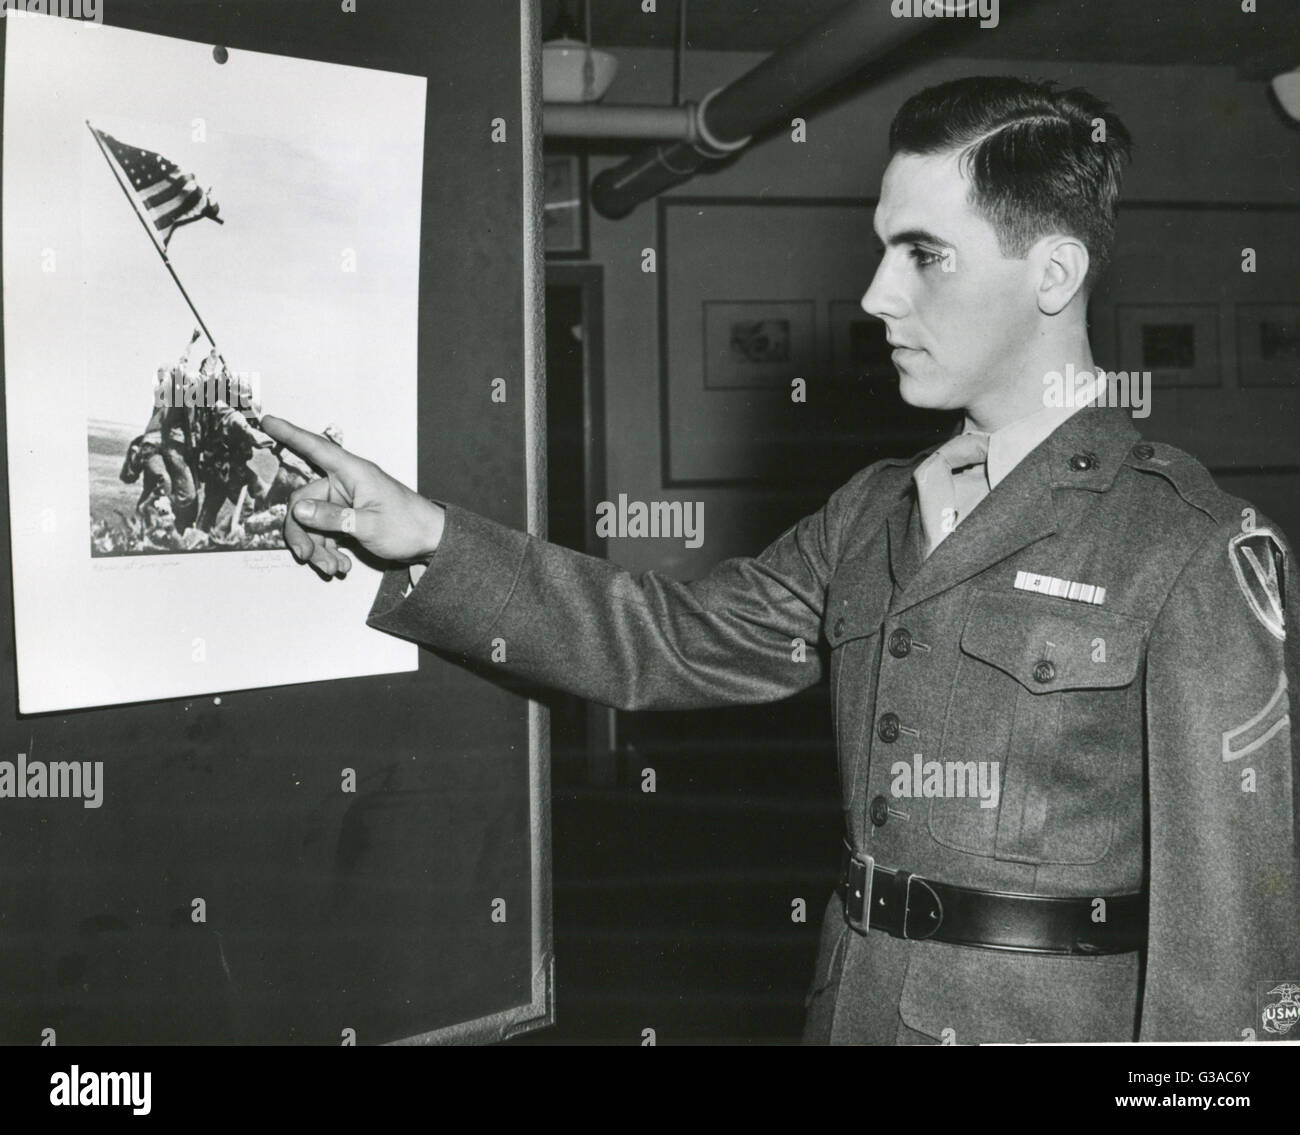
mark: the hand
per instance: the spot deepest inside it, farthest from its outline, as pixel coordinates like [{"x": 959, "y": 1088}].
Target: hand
[{"x": 355, "y": 499}]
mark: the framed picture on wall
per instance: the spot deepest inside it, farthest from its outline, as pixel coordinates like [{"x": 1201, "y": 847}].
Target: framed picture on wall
[
  {"x": 566, "y": 205},
  {"x": 1268, "y": 345},
  {"x": 743, "y": 288},
  {"x": 1177, "y": 343},
  {"x": 758, "y": 344}
]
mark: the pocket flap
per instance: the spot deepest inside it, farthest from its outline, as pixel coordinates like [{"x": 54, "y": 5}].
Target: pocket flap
[
  {"x": 1050, "y": 644},
  {"x": 857, "y": 601}
]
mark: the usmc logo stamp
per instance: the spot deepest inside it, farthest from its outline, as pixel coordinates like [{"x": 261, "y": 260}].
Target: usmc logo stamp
[{"x": 1279, "y": 1008}]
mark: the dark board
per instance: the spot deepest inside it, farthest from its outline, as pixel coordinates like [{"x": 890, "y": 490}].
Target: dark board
[{"x": 326, "y": 911}]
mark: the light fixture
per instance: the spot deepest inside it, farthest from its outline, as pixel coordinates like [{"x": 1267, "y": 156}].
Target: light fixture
[
  {"x": 572, "y": 70},
  {"x": 1286, "y": 87}
]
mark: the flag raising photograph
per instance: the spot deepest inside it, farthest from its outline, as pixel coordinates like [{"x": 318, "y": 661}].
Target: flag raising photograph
[
  {"x": 199, "y": 451},
  {"x": 138, "y": 365},
  {"x": 163, "y": 194}
]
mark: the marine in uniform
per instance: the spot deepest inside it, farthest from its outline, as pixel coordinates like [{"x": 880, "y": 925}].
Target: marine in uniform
[
  {"x": 162, "y": 452},
  {"x": 225, "y": 457},
  {"x": 1057, "y": 653}
]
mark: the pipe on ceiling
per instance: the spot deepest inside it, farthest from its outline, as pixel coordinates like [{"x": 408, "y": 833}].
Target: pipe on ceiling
[
  {"x": 857, "y": 34},
  {"x": 590, "y": 120}
]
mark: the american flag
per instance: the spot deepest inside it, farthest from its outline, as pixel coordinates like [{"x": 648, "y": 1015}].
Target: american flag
[{"x": 165, "y": 197}]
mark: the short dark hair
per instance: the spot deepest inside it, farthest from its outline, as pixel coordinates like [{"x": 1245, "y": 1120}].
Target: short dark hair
[{"x": 1032, "y": 153}]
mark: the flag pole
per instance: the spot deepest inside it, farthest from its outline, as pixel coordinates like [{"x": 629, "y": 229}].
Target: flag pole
[{"x": 153, "y": 239}]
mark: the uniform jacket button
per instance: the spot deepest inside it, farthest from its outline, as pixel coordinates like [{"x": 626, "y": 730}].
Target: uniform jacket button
[
  {"x": 1044, "y": 671},
  {"x": 900, "y": 643},
  {"x": 839, "y": 627},
  {"x": 1082, "y": 462},
  {"x": 879, "y": 811},
  {"x": 887, "y": 727},
  {"x": 1144, "y": 452}
]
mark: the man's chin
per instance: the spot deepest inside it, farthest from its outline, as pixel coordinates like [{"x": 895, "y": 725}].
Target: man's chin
[{"x": 916, "y": 391}]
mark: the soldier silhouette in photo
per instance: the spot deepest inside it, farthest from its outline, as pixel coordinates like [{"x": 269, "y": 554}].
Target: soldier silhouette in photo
[
  {"x": 226, "y": 451},
  {"x": 144, "y": 457},
  {"x": 163, "y": 453}
]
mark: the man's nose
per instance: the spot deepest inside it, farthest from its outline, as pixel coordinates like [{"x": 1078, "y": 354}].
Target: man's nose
[{"x": 882, "y": 298}]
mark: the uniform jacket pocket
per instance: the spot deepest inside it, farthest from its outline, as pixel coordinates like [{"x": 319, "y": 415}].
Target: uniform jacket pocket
[{"x": 1045, "y": 688}]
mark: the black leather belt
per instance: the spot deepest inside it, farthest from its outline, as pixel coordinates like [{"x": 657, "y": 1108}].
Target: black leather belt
[{"x": 908, "y": 906}]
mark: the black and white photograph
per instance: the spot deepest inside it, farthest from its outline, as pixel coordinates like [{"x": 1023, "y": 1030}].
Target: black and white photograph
[
  {"x": 157, "y": 197},
  {"x": 700, "y": 523}
]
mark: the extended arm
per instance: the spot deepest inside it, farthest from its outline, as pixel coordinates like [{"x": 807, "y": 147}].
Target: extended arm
[{"x": 747, "y": 632}]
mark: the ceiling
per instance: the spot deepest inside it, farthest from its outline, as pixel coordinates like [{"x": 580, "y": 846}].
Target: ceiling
[{"x": 1106, "y": 31}]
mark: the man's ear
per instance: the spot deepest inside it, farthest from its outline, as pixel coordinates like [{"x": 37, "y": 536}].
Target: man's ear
[{"x": 1061, "y": 265}]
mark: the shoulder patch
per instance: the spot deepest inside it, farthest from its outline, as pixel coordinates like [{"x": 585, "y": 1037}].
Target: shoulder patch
[{"x": 1257, "y": 564}]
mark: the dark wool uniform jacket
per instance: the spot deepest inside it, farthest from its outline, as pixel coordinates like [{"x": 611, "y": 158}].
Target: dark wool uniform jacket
[{"x": 1155, "y": 750}]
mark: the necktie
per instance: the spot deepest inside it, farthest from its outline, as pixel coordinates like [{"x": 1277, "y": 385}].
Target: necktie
[{"x": 937, "y": 490}]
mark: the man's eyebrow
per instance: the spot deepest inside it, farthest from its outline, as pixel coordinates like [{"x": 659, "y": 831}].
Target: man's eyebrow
[{"x": 914, "y": 236}]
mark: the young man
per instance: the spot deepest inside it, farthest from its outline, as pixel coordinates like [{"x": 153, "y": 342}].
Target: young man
[{"x": 1057, "y": 655}]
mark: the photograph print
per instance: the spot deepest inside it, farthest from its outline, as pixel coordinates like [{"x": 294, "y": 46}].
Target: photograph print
[
  {"x": 191, "y": 234},
  {"x": 207, "y": 478}
]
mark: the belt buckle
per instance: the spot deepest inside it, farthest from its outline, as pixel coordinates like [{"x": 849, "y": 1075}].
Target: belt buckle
[
  {"x": 857, "y": 902},
  {"x": 903, "y": 882}
]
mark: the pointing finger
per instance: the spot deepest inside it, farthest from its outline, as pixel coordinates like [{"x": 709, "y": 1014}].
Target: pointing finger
[{"x": 319, "y": 450}]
